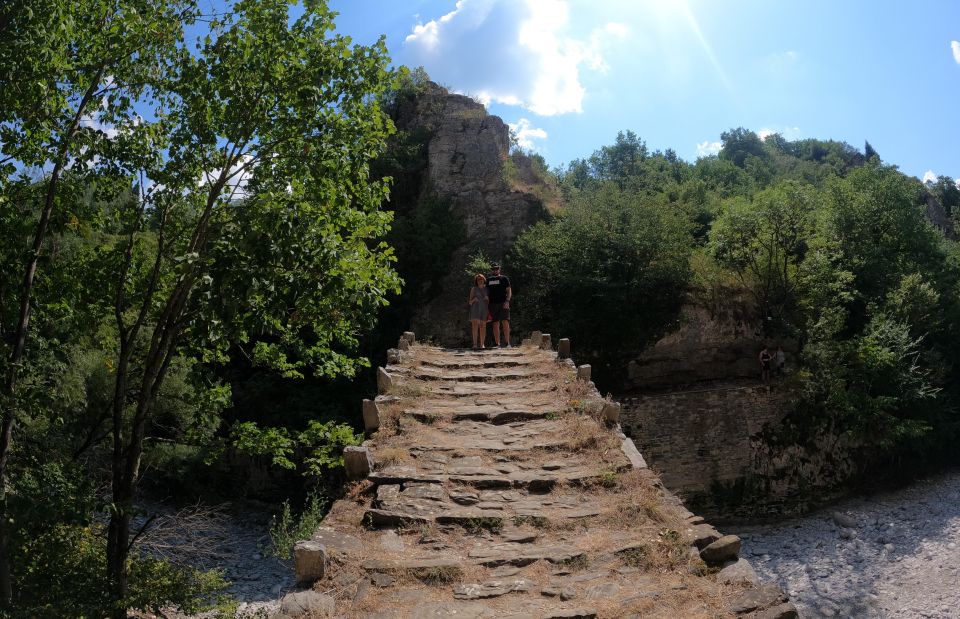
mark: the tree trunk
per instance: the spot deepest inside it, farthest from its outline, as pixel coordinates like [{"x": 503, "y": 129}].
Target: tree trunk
[{"x": 8, "y": 397}]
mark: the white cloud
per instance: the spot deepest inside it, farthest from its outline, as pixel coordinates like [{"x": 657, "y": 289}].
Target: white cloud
[
  {"x": 515, "y": 52},
  {"x": 526, "y": 134},
  {"x": 707, "y": 148},
  {"x": 789, "y": 133},
  {"x": 955, "y": 46},
  {"x": 929, "y": 177}
]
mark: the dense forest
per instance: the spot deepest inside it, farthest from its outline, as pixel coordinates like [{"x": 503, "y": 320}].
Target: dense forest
[{"x": 206, "y": 242}]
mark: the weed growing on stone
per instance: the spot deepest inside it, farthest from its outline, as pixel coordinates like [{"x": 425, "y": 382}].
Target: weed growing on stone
[
  {"x": 538, "y": 522},
  {"x": 577, "y": 563},
  {"x": 608, "y": 478},
  {"x": 483, "y": 523},
  {"x": 439, "y": 575}
]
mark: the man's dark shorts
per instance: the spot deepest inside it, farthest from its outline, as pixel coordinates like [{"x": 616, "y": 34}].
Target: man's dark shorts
[{"x": 498, "y": 312}]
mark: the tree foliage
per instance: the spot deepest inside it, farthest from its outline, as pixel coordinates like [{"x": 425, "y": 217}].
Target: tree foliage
[{"x": 198, "y": 200}]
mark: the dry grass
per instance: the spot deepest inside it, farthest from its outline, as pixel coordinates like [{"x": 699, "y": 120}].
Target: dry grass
[{"x": 388, "y": 456}]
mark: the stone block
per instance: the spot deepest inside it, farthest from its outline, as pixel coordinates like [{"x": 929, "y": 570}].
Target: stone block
[
  {"x": 563, "y": 348},
  {"x": 545, "y": 342},
  {"x": 371, "y": 416},
  {"x": 403, "y": 344},
  {"x": 535, "y": 337},
  {"x": 783, "y": 611},
  {"x": 763, "y": 596},
  {"x": 384, "y": 381},
  {"x": 738, "y": 572},
  {"x": 583, "y": 372},
  {"x": 410, "y": 337},
  {"x": 309, "y": 561},
  {"x": 358, "y": 462},
  {"x": 633, "y": 454},
  {"x": 394, "y": 356},
  {"x": 611, "y": 411},
  {"x": 725, "y": 549}
]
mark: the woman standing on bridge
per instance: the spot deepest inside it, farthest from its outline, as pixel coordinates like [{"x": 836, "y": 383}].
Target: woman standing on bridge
[{"x": 479, "y": 301}]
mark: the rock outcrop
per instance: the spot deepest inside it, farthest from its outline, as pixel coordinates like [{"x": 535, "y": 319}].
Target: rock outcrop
[{"x": 467, "y": 159}]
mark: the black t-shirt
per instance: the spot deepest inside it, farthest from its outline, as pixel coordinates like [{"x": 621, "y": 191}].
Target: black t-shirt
[{"x": 497, "y": 285}]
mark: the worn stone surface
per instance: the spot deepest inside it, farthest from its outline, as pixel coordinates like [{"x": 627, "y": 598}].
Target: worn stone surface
[
  {"x": 738, "y": 572},
  {"x": 497, "y": 497},
  {"x": 357, "y": 462},
  {"x": 371, "y": 416},
  {"x": 727, "y": 548},
  {"x": 309, "y": 603},
  {"x": 309, "y": 560}
]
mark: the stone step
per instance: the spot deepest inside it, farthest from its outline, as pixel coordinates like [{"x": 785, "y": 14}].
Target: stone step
[
  {"x": 535, "y": 480},
  {"x": 476, "y": 374},
  {"x": 464, "y": 364},
  {"x": 496, "y": 415}
]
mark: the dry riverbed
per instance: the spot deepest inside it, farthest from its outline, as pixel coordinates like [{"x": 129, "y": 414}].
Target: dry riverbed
[{"x": 887, "y": 556}]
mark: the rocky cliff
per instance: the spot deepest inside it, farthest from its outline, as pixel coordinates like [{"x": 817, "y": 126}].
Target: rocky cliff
[{"x": 467, "y": 154}]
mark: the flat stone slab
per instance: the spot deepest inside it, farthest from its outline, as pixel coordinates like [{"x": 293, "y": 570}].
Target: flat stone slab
[
  {"x": 468, "y": 363},
  {"x": 421, "y": 563},
  {"x": 492, "y": 589},
  {"x": 523, "y": 554},
  {"x": 480, "y": 374}
]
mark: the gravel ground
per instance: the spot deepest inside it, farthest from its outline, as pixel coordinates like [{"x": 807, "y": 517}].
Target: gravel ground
[
  {"x": 891, "y": 555},
  {"x": 231, "y": 539}
]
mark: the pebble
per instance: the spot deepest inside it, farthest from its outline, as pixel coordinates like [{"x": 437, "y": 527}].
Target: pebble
[{"x": 843, "y": 562}]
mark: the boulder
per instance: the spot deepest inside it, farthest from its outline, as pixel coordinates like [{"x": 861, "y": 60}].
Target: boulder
[
  {"x": 738, "y": 572},
  {"x": 763, "y": 596},
  {"x": 307, "y": 603},
  {"x": 782, "y": 611},
  {"x": 725, "y": 549}
]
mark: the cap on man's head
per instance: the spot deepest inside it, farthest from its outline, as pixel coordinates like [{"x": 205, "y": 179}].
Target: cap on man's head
[{"x": 494, "y": 265}]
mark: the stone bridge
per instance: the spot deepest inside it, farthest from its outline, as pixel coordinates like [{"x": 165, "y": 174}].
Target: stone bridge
[{"x": 498, "y": 484}]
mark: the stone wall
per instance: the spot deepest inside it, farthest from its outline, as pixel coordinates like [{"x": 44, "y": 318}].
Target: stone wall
[{"x": 718, "y": 448}]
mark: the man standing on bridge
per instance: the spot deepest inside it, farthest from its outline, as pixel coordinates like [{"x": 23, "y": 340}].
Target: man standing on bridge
[{"x": 500, "y": 295}]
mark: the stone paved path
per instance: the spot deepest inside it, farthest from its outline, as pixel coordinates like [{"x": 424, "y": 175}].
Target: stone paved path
[{"x": 498, "y": 490}]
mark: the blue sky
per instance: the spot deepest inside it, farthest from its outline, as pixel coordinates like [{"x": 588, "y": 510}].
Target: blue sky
[{"x": 569, "y": 74}]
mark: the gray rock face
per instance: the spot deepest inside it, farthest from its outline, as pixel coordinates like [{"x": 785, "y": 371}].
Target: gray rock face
[{"x": 466, "y": 157}]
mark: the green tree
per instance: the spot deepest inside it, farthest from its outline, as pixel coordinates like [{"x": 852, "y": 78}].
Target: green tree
[
  {"x": 260, "y": 226},
  {"x": 764, "y": 241},
  {"x": 70, "y": 71},
  {"x": 610, "y": 254}
]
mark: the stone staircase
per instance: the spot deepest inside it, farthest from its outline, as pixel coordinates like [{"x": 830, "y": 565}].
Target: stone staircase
[{"x": 498, "y": 484}]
